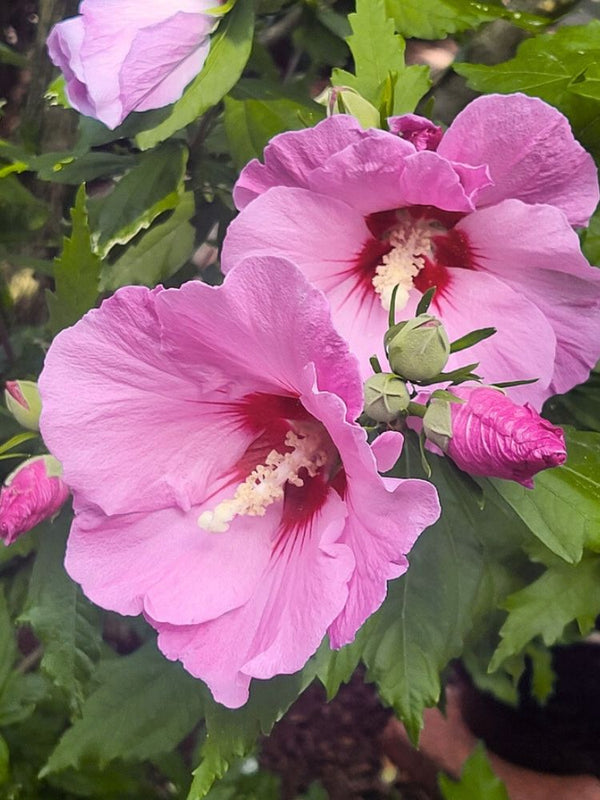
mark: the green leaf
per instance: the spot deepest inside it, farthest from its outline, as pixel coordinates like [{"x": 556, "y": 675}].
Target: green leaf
[
  {"x": 477, "y": 780},
  {"x": 591, "y": 240},
  {"x": 335, "y": 667},
  {"x": 15, "y": 441},
  {"x": 63, "y": 620},
  {"x": 563, "y": 510},
  {"x": 435, "y": 19},
  {"x": 565, "y": 592},
  {"x": 76, "y": 272},
  {"x": 229, "y": 51},
  {"x": 20, "y": 212},
  {"x": 432, "y": 608},
  {"x": 472, "y": 338},
  {"x": 20, "y": 695},
  {"x": 153, "y": 186},
  {"x": 549, "y": 67},
  {"x": 378, "y": 52},
  {"x": 232, "y": 734},
  {"x": 589, "y": 86},
  {"x": 8, "y": 646},
  {"x": 120, "y": 718},
  {"x": 157, "y": 254},
  {"x": 12, "y": 57},
  {"x": 257, "y": 110},
  {"x": 579, "y": 407}
]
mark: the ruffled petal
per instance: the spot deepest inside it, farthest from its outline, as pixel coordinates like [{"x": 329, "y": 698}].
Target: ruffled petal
[
  {"x": 382, "y": 525},
  {"x": 154, "y": 436},
  {"x": 290, "y": 157},
  {"x": 165, "y": 565},
  {"x": 531, "y": 153},
  {"x": 303, "y": 588},
  {"x": 430, "y": 180},
  {"x": 541, "y": 260},
  {"x": 366, "y": 175},
  {"x": 262, "y": 295},
  {"x": 472, "y": 299},
  {"x": 325, "y": 238}
]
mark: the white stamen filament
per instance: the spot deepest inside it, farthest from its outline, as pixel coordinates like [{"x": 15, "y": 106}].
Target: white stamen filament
[
  {"x": 410, "y": 241},
  {"x": 266, "y": 483}
]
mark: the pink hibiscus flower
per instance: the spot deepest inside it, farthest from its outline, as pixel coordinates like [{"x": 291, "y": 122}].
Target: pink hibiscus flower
[
  {"x": 120, "y": 56},
  {"x": 484, "y": 213},
  {"x": 220, "y": 483}
]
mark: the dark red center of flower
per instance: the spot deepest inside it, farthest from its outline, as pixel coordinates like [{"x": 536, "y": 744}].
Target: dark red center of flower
[
  {"x": 291, "y": 459},
  {"x": 412, "y": 247}
]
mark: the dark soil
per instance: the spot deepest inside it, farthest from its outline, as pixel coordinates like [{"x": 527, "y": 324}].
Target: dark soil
[{"x": 342, "y": 744}]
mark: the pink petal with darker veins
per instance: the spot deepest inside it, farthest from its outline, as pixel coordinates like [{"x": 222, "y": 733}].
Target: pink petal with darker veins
[{"x": 531, "y": 153}]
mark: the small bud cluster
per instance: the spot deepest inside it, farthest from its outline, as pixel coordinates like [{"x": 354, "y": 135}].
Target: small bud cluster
[{"x": 482, "y": 430}]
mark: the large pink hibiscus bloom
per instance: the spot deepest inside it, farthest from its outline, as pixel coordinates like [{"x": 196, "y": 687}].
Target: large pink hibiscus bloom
[
  {"x": 220, "y": 483},
  {"x": 484, "y": 213}
]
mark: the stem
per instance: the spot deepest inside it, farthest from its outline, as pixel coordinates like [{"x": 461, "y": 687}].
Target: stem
[{"x": 416, "y": 409}]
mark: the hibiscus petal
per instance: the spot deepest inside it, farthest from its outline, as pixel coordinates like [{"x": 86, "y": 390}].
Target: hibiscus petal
[
  {"x": 472, "y": 299},
  {"x": 530, "y": 151},
  {"x": 64, "y": 46},
  {"x": 367, "y": 174},
  {"x": 387, "y": 448},
  {"x": 290, "y": 157},
  {"x": 303, "y": 588},
  {"x": 428, "y": 179},
  {"x": 163, "y": 59},
  {"x": 542, "y": 261},
  {"x": 384, "y": 519},
  {"x": 324, "y": 237},
  {"x": 164, "y": 564},
  {"x": 261, "y": 296},
  {"x": 154, "y": 437}
]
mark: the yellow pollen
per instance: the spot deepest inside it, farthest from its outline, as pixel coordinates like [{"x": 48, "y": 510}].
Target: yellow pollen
[
  {"x": 266, "y": 483},
  {"x": 410, "y": 241}
]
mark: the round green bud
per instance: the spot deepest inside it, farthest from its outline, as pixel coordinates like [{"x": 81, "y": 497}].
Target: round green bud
[
  {"x": 22, "y": 399},
  {"x": 386, "y": 397},
  {"x": 418, "y": 349},
  {"x": 437, "y": 423}
]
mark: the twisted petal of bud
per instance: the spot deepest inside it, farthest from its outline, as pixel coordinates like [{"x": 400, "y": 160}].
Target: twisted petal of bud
[
  {"x": 22, "y": 399},
  {"x": 418, "y": 349},
  {"x": 33, "y": 492},
  {"x": 491, "y": 435},
  {"x": 386, "y": 397},
  {"x": 419, "y": 131}
]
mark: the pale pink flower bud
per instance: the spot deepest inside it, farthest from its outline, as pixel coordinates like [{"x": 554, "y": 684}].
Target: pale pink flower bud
[
  {"x": 490, "y": 435},
  {"x": 32, "y": 493},
  {"x": 22, "y": 399}
]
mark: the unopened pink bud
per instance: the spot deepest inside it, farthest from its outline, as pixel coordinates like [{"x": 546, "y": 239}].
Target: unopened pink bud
[
  {"x": 32, "y": 493},
  {"x": 417, "y": 130},
  {"x": 493, "y": 436}
]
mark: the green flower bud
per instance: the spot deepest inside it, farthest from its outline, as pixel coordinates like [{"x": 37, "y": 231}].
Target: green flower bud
[
  {"x": 437, "y": 423},
  {"x": 386, "y": 397},
  {"x": 418, "y": 349},
  {"x": 22, "y": 399},
  {"x": 344, "y": 100}
]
